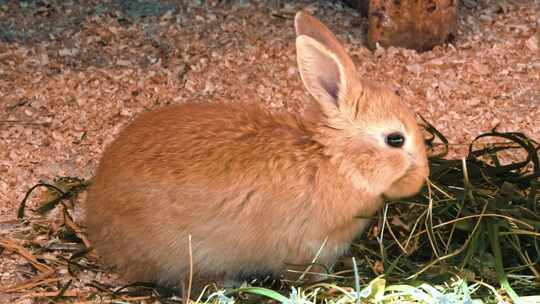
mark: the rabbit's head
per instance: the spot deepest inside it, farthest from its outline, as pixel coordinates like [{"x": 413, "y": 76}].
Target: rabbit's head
[{"x": 367, "y": 130}]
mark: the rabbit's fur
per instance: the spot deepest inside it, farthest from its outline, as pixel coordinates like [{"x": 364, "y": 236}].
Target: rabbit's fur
[{"x": 254, "y": 190}]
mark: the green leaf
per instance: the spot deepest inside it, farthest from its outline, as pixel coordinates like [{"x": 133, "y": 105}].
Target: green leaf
[{"x": 274, "y": 295}]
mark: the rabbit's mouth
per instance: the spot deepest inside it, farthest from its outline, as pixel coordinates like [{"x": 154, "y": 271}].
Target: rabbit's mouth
[{"x": 409, "y": 184}]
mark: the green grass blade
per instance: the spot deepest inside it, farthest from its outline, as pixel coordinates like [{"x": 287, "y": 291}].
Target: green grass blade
[{"x": 493, "y": 233}]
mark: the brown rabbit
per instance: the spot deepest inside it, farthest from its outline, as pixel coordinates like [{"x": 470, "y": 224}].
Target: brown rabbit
[{"x": 255, "y": 190}]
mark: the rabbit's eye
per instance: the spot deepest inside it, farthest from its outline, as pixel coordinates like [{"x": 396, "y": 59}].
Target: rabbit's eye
[{"x": 395, "y": 140}]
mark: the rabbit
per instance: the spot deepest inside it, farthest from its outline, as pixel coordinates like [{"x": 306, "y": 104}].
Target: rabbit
[{"x": 221, "y": 190}]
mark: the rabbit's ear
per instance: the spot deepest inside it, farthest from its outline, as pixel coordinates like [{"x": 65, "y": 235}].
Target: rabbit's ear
[
  {"x": 322, "y": 72},
  {"x": 307, "y": 25},
  {"x": 325, "y": 67}
]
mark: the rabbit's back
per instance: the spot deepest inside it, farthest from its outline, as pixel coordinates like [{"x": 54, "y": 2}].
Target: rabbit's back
[{"x": 216, "y": 145}]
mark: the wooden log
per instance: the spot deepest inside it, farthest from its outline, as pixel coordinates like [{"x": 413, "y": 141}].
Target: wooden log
[{"x": 413, "y": 24}]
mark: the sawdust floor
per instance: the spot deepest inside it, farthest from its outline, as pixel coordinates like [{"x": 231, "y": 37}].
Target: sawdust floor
[{"x": 72, "y": 75}]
